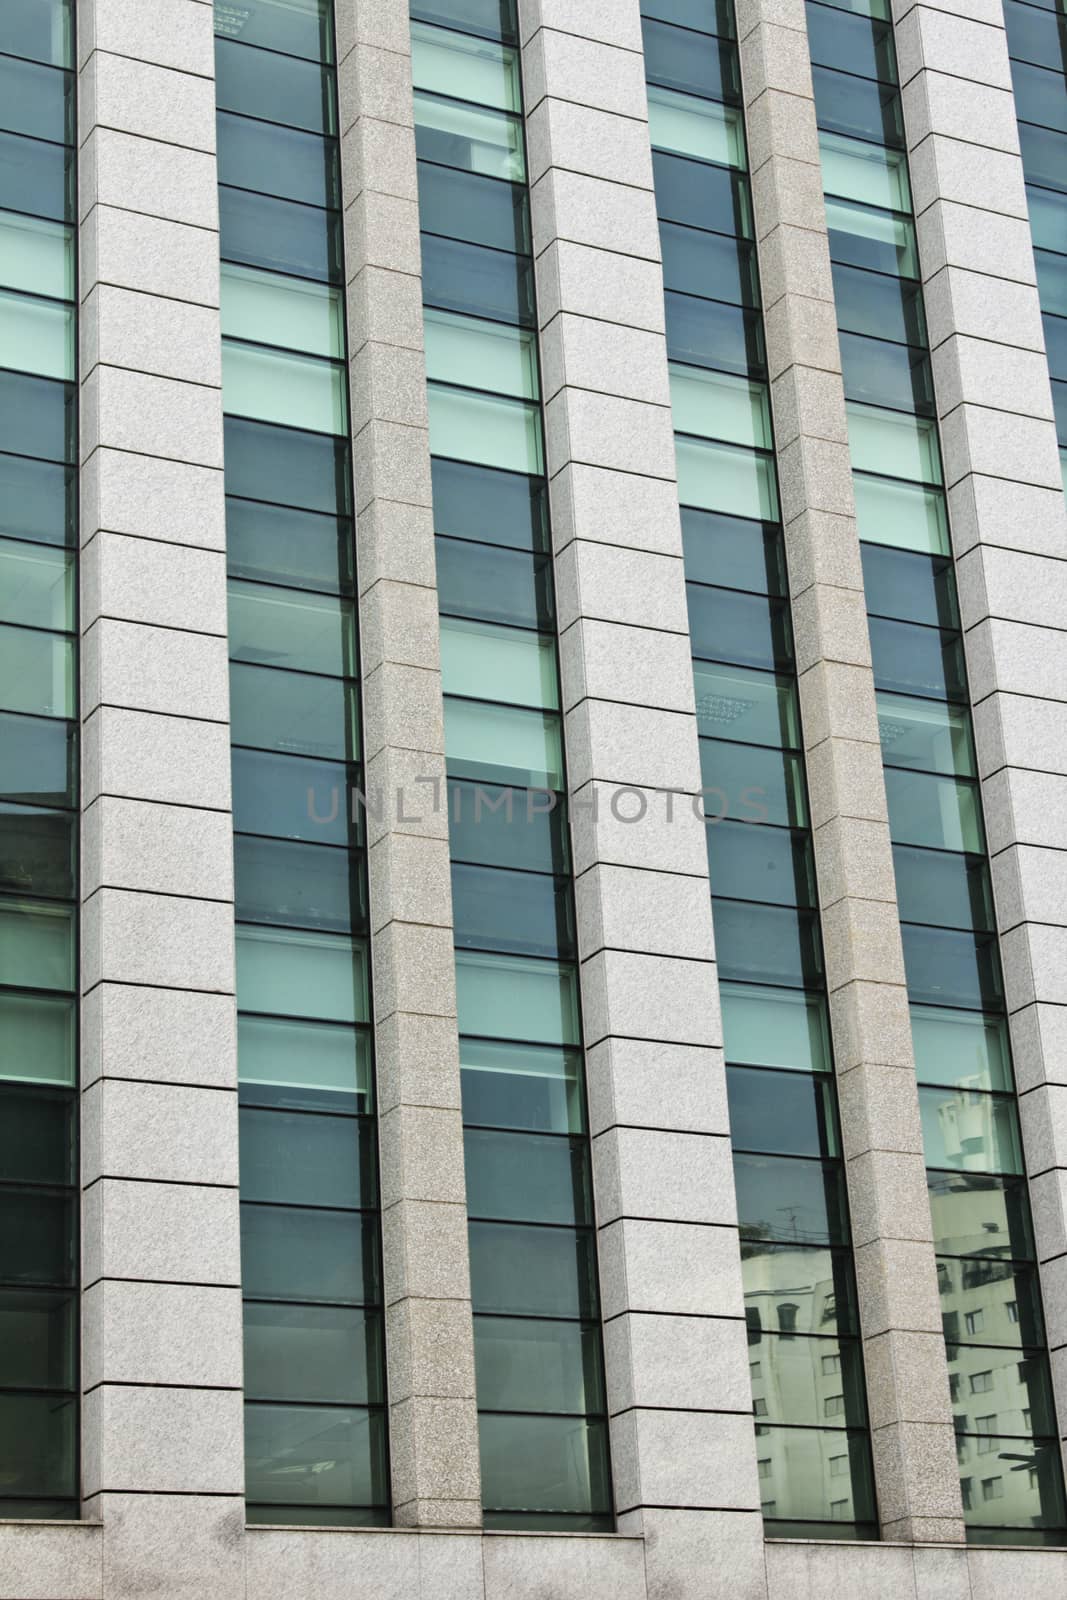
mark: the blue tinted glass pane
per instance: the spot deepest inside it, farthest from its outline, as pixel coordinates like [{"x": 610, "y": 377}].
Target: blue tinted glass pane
[
  {"x": 291, "y": 797},
  {"x": 521, "y": 911},
  {"x": 484, "y": 503},
  {"x": 299, "y": 885},
  {"x": 796, "y": 1201},
  {"x": 1044, "y": 156},
  {"x": 527, "y": 1177},
  {"x": 746, "y": 630},
  {"x": 733, "y": 551},
  {"x": 502, "y": 827},
  {"x": 710, "y": 264},
  {"x": 299, "y": 30},
  {"x": 695, "y": 65},
  {"x": 468, "y": 277},
  {"x": 36, "y": 177},
  {"x": 913, "y": 660},
  {"x": 298, "y": 93},
  {"x": 781, "y": 1113},
  {"x": 750, "y": 784},
  {"x": 280, "y": 543},
  {"x": 755, "y": 863},
  {"x": 37, "y": 853},
  {"x": 531, "y": 1271},
  {"x": 493, "y": 18},
  {"x": 271, "y": 160},
  {"x": 1034, "y": 34},
  {"x": 851, "y": 42},
  {"x": 296, "y": 712},
  {"x": 701, "y": 195},
  {"x": 38, "y": 29},
  {"x": 1040, "y": 94},
  {"x": 873, "y": 303},
  {"x": 949, "y": 967},
  {"x": 258, "y": 230},
  {"x": 473, "y": 208},
  {"x": 909, "y": 586},
  {"x": 36, "y": 500},
  {"x": 858, "y": 107},
  {"x": 37, "y": 417},
  {"x": 36, "y": 101},
  {"x": 494, "y": 584},
  {"x": 939, "y": 886},
  {"x": 286, "y": 466},
  {"x": 709, "y": 334},
  {"x": 308, "y": 1255},
  {"x": 37, "y": 760},
  {"x": 885, "y": 374},
  {"x": 767, "y": 944}
]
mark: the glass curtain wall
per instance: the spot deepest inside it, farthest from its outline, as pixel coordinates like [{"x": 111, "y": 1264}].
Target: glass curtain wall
[
  {"x": 38, "y": 762},
  {"x": 805, "y": 1357},
  {"x": 543, "y": 1428},
  {"x": 315, "y": 1428},
  {"x": 991, "y": 1305},
  {"x": 1037, "y": 44}
]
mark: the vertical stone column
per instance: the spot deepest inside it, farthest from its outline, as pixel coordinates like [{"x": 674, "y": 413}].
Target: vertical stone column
[
  {"x": 1009, "y": 531},
  {"x": 907, "y": 1378},
  {"x": 162, "y": 1416},
  {"x": 430, "y": 1339},
  {"x": 676, "y": 1353}
]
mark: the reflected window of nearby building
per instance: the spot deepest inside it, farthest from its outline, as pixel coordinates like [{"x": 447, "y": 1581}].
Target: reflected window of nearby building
[
  {"x": 831, "y": 1363},
  {"x": 973, "y": 1321},
  {"x": 1012, "y": 1308},
  {"x": 763, "y": 1466},
  {"x": 966, "y": 1487},
  {"x": 787, "y": 1318},
  {"x": 992, "y": 1488},
  {"x": 839, "y": 1466},
  {"x": 981, "y": 1382},
  {"x": 833, "y": 1405}
]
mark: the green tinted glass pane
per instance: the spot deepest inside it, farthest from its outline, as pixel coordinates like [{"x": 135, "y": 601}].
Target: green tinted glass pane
[
  {"x": 36, "y": 256},
  {"x": 797, "y": 1288},
  {"x": 989, "y": 1301},
  {"x": 481, "y": 661},
  {"x": 901, "y": 514},
  {"x": 686, "y": 126},
  {"x": 300, "y": 391},
  {"x": 480, "y": 355},
  {"x": 752, "y": 707},
  {"x": 309, "y": 1454},
  {"x": 544, "y": 1463},
  {"x": 960, "y": 1047},
  {"x": 36, "y": 672},
  {"x": 271, "y": 627},
  {"x": 36, "y": 585},
  {"x": 508, "y": 997},
  {"x": 746, "y": 783},
  {"x": 893, "y": 442},
  {"x": 869, "y": 173},
  {"x": 37, "y": 29},
  {"x": 285, "y": 973},
  {"x": 324, "y": 1353},
  {"x": 297, "y": 27},
  {"x": 781, "y": 1113},
  {"x": 527, "y": 1177},
  {"x": 775, "y": 1027},
  {"x": 36, "y": 945},
  {"x": 720, "y": 477},
  {"x": 38, "y": 1452},
  {"x": 503, "y": 744},
  {"x": 530, "y": 1365},
  {"x": 302, "y": 1056},
  {"x": 36, "y": 1039},
  {"x": 926, "y": 810},
  {"x": 295, "y": 712},
  {"x": 309, "y": 1254},
  {"x": 37, "y": 1339},
  {"x": 794, "y": 1200},
  {"x": 487, "y": 429},
  {"x": 37, "y": 336},
  {"x": 865, "y": 236},
  {"x": 980, "y": 1216},
  {"x": 814, "y": 1475},
  {"x": 468, "y": 137},
  {"x": 521, "y": 1086},
  {"x": 926, "y": 735},
  {"x": 525, "y": 1270},
  {"x": 1011, "y": 1484},
  {"x": 811, "y": 1382},
  {"x": 717, "y": 405},
  {"x": 464, "y": 67},
  {"x": 268, "y": 308},
  {"x": 970, "y": 1130},
  {"x": 1016, "y": 1386}
]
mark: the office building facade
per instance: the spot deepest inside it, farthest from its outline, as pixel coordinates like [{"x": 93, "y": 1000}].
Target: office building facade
[{"x": 533, "y": 712}]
